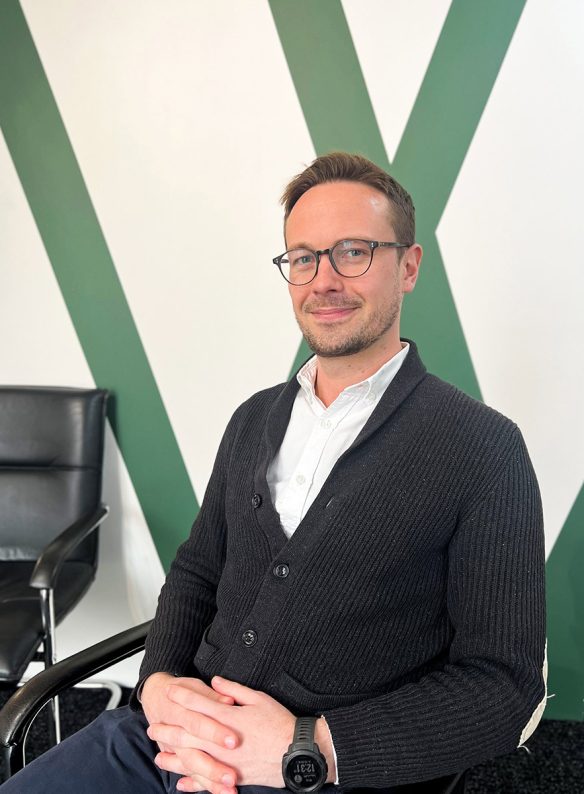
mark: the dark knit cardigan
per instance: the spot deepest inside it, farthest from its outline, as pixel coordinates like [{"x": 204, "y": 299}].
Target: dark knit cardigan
[{"x": 412, "y": 612}]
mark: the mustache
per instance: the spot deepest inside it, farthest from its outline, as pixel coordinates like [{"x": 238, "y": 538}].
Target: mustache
[{"x": 330, "y": 303}]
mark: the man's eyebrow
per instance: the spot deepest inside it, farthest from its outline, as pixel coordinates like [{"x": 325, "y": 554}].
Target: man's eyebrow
[
  {"x": 300, "y": 245},
  {"x": 332, "y": 245}
]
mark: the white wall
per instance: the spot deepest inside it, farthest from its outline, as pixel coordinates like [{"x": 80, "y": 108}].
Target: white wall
[{"x": 186, "y": 126}]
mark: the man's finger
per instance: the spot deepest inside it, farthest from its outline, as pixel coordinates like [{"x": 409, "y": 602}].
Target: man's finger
[
  {"x": 210, "y": 730},
  {"x": 169, "y": 737},
  {"x": 196, "y": 685},
  {"x": 201, "y": 784},
  {"x": 240, "y": 693},
  {"x": 188, "y": 784},
  {"x": 195, "y": 720},
  {"x": 202, "y": 768},
  {"x": 203, "y": 717}
]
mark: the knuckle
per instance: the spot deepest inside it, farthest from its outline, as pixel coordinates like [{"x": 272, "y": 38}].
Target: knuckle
[
  {"x": 189, "y": 699},
  {"x": 205, "y": 784},
  {"x": 215, "y": 773},
  {"x": 195, "y": 724},
  {"x": 218, "y": 734}
]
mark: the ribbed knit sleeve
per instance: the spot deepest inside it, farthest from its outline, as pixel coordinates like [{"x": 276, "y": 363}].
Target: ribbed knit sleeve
[
  {"x": 476, "y": 704},
  {"x": 186, "y": 604}
]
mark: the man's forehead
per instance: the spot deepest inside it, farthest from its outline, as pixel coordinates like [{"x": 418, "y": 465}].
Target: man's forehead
[
  {"x": 342, "y": 191},
  {"x": 339, "y": 203}
]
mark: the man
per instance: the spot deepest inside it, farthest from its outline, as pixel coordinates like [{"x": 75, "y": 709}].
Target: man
[{"x": 369, "y": 552}]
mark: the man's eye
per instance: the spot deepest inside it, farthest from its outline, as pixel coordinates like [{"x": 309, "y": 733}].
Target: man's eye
[
  {"x": 301, "y": 261},
  {"x": 354, "y": 253}
]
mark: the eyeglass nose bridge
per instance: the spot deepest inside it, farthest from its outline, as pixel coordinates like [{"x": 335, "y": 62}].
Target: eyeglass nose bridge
[{"x": 329, "y": 253}]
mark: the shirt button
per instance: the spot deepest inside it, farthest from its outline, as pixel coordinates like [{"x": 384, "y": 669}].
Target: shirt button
[
  {"x": 249, "y": 638},
  {"x": 281, "y": 570},
  {"x": 300, "y": 479},
  {"x": 371, "y": 397},
  {"x": 256, "y": 500},
  {"x": 325, "y": 424}
]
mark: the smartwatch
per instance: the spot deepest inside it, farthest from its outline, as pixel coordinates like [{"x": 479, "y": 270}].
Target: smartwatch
[{"x": 304, "y": 767}]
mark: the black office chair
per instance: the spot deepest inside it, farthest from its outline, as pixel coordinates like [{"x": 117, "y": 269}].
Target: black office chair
[
  {"x": 51, "y": 452},
  {"x": 17, "y": 715}
]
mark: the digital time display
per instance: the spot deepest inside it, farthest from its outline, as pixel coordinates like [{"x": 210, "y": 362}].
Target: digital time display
[{"x": 303, "y": 771}]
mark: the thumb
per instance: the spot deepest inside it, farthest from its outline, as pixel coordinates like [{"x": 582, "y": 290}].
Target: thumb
[{"x": 242, "y": 695}]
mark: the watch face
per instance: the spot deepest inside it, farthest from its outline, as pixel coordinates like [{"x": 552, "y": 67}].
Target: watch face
[{"x": 303, "y": 771}]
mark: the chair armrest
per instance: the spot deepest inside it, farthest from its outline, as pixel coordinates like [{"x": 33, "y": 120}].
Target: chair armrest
[
  {"x": 18, "y": 713},
  {"x": 46, "y": 570}
]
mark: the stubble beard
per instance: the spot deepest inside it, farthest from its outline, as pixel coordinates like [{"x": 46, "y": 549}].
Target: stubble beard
[{"x": 336, "y": 342}]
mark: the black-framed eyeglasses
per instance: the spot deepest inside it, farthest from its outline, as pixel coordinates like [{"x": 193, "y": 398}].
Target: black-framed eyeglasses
[{"x": 350, "y": 259}]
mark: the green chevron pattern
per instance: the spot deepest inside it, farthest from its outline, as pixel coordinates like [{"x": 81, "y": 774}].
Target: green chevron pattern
[{"x": 334, "y": 98}]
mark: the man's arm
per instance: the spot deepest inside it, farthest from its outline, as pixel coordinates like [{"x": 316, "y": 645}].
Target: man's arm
[
  {"x": 476, "y": 704},
  {"x": 186, "y": 605}
]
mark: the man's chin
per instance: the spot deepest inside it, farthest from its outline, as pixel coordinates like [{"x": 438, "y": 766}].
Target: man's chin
[{"x": 336, "y": 349}]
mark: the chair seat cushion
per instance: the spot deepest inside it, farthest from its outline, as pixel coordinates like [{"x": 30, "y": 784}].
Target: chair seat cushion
[{"x": 20, "y": 614}]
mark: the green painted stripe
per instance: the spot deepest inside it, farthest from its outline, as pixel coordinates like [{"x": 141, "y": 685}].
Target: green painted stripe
[
  {"x": 445, "y": 116},
  {"x": 329, "y": 83},
  {"x": 327, "y": 76},
  {"x": 565, "y": 604},
  {"x": 70, "y": 231}
]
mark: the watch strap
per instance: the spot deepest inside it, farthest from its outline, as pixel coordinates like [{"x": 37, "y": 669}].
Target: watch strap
[{"x": 304, "y": 733}]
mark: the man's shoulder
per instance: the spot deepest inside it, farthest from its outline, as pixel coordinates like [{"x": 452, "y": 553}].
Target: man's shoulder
[
  {"x": 468, "y": 418},
  {"x": 448, "y": 403}
]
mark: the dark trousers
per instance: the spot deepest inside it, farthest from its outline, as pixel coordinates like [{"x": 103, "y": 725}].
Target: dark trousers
[{"x": 114, "y": 755}]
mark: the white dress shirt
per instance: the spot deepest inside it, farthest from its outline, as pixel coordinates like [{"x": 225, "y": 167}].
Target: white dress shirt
[{"x": 317, "y": 436}]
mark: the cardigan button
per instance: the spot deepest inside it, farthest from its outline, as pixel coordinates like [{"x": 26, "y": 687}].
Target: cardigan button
[
  {"x": 249, "y": 638},
  {"x": 256, "y": 500},
  {"x": 281, "y": 570}
]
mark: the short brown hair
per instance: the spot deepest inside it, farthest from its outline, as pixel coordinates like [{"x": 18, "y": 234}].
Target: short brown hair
[{"x": 343, "y": 166}]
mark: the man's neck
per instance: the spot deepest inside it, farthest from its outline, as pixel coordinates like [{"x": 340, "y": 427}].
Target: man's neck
[{"x": 335, "y": 374}]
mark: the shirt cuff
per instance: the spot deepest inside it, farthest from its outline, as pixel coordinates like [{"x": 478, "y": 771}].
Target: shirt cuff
[{"x": 334, "y": 751}]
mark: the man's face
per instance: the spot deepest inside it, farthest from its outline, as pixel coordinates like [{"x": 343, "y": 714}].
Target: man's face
[{"x": 342, "y": 316}]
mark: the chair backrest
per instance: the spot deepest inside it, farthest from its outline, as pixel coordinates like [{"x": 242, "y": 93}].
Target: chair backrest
[{"x": 51, "y": 454}]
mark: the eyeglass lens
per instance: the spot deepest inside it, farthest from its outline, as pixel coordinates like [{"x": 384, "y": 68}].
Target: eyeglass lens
[{"x": 351, "y": 258}]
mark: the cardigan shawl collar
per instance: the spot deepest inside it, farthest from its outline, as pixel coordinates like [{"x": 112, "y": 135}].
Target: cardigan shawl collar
[{"x": 410, "y": 374}]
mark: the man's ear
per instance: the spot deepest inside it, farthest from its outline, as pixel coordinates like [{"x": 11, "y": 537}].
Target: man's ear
[{"x": 410, "y": 266}]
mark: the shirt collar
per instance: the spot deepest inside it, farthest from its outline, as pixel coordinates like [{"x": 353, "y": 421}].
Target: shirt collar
[{"x": 376, "y": 384}]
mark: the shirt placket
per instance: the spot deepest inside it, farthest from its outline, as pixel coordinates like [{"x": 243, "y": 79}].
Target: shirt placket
[{"x": 326, "y": 421}]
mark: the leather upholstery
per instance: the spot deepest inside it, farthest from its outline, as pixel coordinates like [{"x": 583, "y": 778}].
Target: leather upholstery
[
  {"x": 20, "y": 618},
  {"x": 51, "y": 452}
]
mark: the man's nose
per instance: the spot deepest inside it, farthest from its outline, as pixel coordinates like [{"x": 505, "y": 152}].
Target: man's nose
[{"x": 327, "y": 277}]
